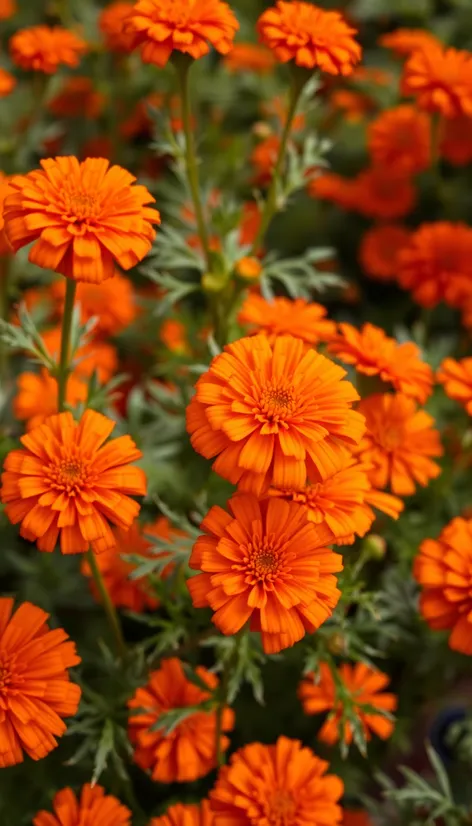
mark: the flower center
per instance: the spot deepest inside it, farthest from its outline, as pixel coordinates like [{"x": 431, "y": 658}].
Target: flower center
[
  {"x": 81, "y": 205},
  {"x": 277, "y": 402},
  {"x": 5, "y": 676},
  {"x": 262, "y": 560},
  {"x": 391, "y": 438},
  {"x": 69, "y": 474},
  {"x": 282, "y": 809}
]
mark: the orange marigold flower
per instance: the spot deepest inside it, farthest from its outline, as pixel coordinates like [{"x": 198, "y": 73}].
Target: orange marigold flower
[
  {"x": 300, "y": 318},
  {"x": 250, "y": 223},
  {"x": 185, "y": 814},
  {"x": 334, "y": 188},
  {"x": 405, "y": 41},
  {"x": 93, "y": 806},
  {"x": 440, "y": 80},
  {"x": 37, "y": 394},
  {"x": 174, "y": 335},
  {"x": 96, "y": 356},
  {"x": 399, "y": 444},
  {"x": 249, "y": 57},
  {"x": 7, "y": 9},
  {"x": 44, "y": 49},
  {"x": 35, "y": 691},
  {"x": 366, "y": 687},
  {"x": 375, "y": 354},
  {"x": 444, "y": 569},
  {"x": 341, "y": 503},
  {"x": 271, "y": 413},
  {"x": 77, "y": 98},
  {"x": 382, "y": 192},
  {"x": 284, "y": 783},
  {"x": 112, "y": 303},
  {"x": 84, "y": 217},
  {"x": 249, "y": 268},
  {"x": 456, "y": 376},
  {"x": 436, "y": 265},
  {"x": 456, "y": 140},
  {"x": 354, "y": 105},
  {"x": 7, "y": 83},
  {"x": 134, "y": 594},
  {"x": 5, "y": 248},
  {"x": 189, "y": 752},
  {"x": 266, "y": 563},
  {"x": 161, "y": 27},
  {"x": 66, "y": 482},
  {"x": 310, "y": 36},
  {"x": 401, "y": 138},
  {"x": 380, "y": 249},
  {"x": 264, "y": 157},
  {"x": 111, "y": 23}
]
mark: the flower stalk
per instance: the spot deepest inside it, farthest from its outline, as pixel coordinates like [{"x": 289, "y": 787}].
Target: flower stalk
[
  {"x": 110, "y": 610},
  {"x": 64, "y": 368}
]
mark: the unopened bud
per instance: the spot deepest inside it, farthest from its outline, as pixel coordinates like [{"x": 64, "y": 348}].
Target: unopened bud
[{"x": 375, "y": 546}]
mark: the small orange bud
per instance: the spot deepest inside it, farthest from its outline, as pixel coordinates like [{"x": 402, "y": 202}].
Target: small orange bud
[{"x": 248, "y": 268}]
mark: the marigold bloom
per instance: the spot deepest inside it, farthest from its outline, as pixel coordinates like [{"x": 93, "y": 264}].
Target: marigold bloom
[
  {"x": 281, "y": 784},
  {"x": 77, "y": 98},
  {"x": 5, "y": 248},
  {"x": 405, "y": 41},
  {"x": 7, "y": 83},
  {"x": 93, "y": 806},
  {"x": 271, "y": 413},
  {"x": 401, "y": 138},
  {"x": 189, "y": 751},
  {"x": 185, "y": 814},
  {"x": 66, "y": 482},
  {"x": 436, "y": 265},
  {"x": 264, "y": 157},
  {"x": 382, "y": 192},
  {"x": 342, "y": 502},
  {"x": 366, "y": 687},
  {"x": 334, "y": 188},
  {"x": 96, "y": 356},
  {"x": 310, "y": 36},
  {"x": 456, "y": 377},
  {"x": 37, "y": 394},
  {"x": 380, "y": 249},
  {"x": 298, "y": 317},
  {"x": 111, "y": 23},
  {"x": 440, "y": 80},
  {"x": 443, "y": 568},
  {"x": 44, "y": 49},
  {"x": 249, "y": 57},
  {"x": 353, "y": 105},
  {"x": 112, "y": 303},
  {"x": 173, "y": 335},
  {"x": 250, "y": 223},
  {"x": 84, "y": 217},
  {"x": 400, "y": 443},
  {"x": 7, "y": 9},
  {"x": 189, "y": 26},
  {"x": 266, "y": 563},
  {"x": 134, "y": 594},
  {"x": 35, "y": 689},
  {"x": 456, "y": 140},
  {"x": 375, "y": 354}
]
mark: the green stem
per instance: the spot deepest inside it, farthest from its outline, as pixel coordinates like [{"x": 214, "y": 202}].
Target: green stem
[
  {"x": 222, "y": 703},
  {"x": 110, "y": 611},
  {"x": 270, "y": 207},
  {"x": 64, "y": 366},
  {"x": 183, "y": 73},
  {"x": 4, "y": 273}
]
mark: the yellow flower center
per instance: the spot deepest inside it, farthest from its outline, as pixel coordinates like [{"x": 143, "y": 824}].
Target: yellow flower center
[
  {"x": 277, "y": 402},
  {"x": 262, "y": 560},
  {"x": 69, "y": 474},
  {"x": 282, "y": 809},
  {"x": 80, "y": 205},
  {"x": 391, "y": 438}
]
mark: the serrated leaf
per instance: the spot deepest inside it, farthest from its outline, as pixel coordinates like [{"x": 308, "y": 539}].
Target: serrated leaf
[{"x": 105, "y": 748}]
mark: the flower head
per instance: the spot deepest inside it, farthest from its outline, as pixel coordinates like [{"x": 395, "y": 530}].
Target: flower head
[
  {"x": 67, "y": 482},
  {"x": 93, "y": 806},
  {"x": 7, "y": 9},
  {"x": 249, "y": 268},
  {"x": 281, "y": 784},
  {"x": 270, "y": 413},
  {"x": 44, "y": 49},
  {"x": 456, "y": 377},
  {"x": 112, "y": 302},
  {"x": 399, "y": 444},
  {"x": 77, "y": 98},
  {"x": 440, "y": 80},
  {"x": 366, "y": 688},
  {"x": 310, "y": 36},
  {"x": 7, "y": 83},
  {"x": 333, "y": 188},
  {"x": 443, "y": 568},
  {"x": 456, "y": 140},
  {"x": 5, "y": 248},
  {"x": 405, "y": 41},
  {"x": 185, "y": 814},
  {"x": 161, "y": 27},
  {"x": 249, "y": 57},
  {"x": 265, "y": 562},
  {"x": 342, "y": 502},
  {"x": 134, "y": 594},
  {"x": 188, "y": 752},
  {"x": 111, "y": 23},
  {"x": 375, "y": 354},
  {"x": 83, "y": 217},
  {"x": 36, "y": 398},
  {"x": 436, "y": 265},
  {"x": 299, "y": 318},
  {"x": 382, "y": 192},
  {"x": 380, "y": 250},
  {"x": 35, "y": 689},
  {"x": 401, "y": 138}
]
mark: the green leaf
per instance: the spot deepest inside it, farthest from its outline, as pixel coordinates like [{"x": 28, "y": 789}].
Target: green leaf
[{"x": 105, "y": 748}]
